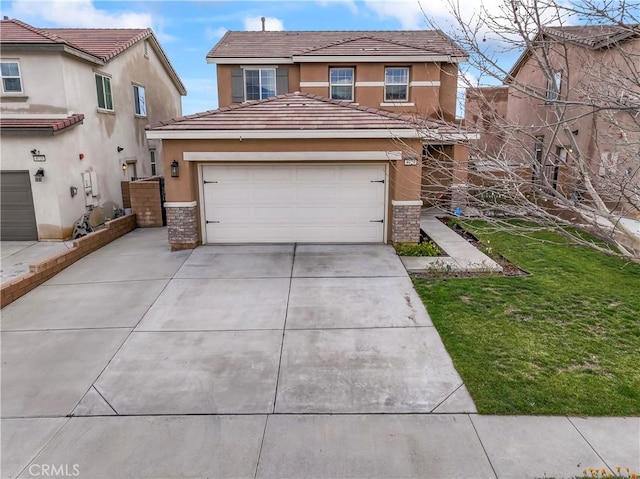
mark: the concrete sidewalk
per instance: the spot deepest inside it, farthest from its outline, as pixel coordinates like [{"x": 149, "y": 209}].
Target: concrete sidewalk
[
  {"x": 258, "y": 361},
  {"x": 462, "y": 256},
  {"x": 18, "y": 255}
]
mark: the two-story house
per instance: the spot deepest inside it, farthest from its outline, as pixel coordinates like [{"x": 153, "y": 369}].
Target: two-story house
[
  {"x": 319, "y": 138},
  {"x": 571, "y": 115},
  {"x": 74, "y": 106}
]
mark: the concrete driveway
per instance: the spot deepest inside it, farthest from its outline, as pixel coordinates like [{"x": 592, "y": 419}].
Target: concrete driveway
[{"x": 240, "y": 361}]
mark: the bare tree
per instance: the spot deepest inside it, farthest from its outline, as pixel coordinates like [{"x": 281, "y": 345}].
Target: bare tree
[{"x": 564, "y": 151}]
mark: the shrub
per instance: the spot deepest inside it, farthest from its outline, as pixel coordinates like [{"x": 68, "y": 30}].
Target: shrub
[{"x": 426, "y": 248}]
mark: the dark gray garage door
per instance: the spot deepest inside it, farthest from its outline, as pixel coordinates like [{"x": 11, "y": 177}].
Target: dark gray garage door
[{"x": 18, "y": 218}]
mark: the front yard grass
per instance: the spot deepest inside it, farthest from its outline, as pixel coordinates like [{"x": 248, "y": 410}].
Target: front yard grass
[{"x": 563, "y": 340}]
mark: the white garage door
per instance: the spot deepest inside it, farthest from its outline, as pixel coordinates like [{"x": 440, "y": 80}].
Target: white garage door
[{"x": 294, "y": 203}]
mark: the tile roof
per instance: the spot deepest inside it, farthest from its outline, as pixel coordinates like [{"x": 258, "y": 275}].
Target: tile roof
[
  {"x": 301, "y": 111},
  {"x": 289, "y": 43},
  {"x": 102, "y": 43},
  {"x": 592, "y": 36},
  {"x": 45, "y": 125}
]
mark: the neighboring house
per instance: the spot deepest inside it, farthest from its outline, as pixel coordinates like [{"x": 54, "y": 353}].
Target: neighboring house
[
  {"x": 319, "y": 138},
  {"x": 74, "y": 106},
  {"x": 592, "y": 79}
]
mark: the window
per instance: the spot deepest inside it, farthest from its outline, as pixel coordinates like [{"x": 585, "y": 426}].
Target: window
[
  {"x": 259, "y": 84},
  {"x": 553, "y": 86},
  {"x": 152, "y": 158},
  {"x": 537, "y": 159},
  {"x": 139, "y": 102},
  {"x": 103, "y": 87},
  {"x": 396, "y": 84},
  {"x": 341, "y": 83},
  {"x": 11, "y": 82}
]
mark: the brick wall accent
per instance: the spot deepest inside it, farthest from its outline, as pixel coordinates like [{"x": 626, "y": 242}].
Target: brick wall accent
[
  {"x": 126, "y": 195},
  {"x": 182, "y": 224},
  {"x": 405, "y": 224},
  {"x": 42, "y": 271},
  {"x": 146, "y": 203}
]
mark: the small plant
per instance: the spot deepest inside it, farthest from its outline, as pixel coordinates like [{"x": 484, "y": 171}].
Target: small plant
[
  {"x": 426, "y": 248},
  {"x": 594, "y": 473}
]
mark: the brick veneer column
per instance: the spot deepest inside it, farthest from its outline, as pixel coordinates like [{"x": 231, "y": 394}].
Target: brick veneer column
[
  {"x": 405, "y": 223},
  {"x": 182, "y": 225}
]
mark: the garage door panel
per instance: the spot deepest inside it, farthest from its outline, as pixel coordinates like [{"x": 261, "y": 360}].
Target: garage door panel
[
  {"x": 294, "y": 203},
  {"x": 17, "y": 214}
]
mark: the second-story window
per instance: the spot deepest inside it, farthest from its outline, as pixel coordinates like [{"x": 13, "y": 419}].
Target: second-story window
[
  {"x": 139, "y": 101},
  {"x": 341, "y": 83},
  {"x": 396, "y": 84},
  {"x": 11, "y": 81},
  {"x": 553, "y": 86},
  {"x": 259, "y": 83},
  {"x": 103, "y": 88}
]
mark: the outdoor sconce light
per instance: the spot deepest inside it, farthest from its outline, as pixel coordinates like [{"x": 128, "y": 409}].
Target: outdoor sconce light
[
  {"x": 175, "y": 169},
  {"x": 39, "y": 175},
  {"x": 124, "y": 167},
  {"x": 73, "y": 190},
  {"x": 120, "y": 149}
]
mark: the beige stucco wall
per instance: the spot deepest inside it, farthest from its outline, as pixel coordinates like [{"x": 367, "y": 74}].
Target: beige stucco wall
[
  {"x": 586, "y": 73},
  {"x": 429, "y": 101},
  {"x": 70, "y": 88}
]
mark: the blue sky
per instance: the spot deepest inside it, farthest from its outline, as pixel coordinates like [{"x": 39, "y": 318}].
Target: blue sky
[{"x": 187, "y": 30}]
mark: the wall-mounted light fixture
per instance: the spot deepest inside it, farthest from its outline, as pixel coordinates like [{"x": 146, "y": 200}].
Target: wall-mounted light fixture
[
  {"x": 73, "y": 190},
  {"x": 120, "y": 149},
  {"x": 124, "y": 167},
  {"x": 175, "y": 169},
  {"x": 39, "y": 175}
]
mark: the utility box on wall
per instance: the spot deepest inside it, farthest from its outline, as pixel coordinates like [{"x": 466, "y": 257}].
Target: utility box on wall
[{"x": 91, "y": 191}]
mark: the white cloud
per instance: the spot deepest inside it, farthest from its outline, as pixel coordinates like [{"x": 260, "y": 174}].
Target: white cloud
[
  {"x": 212, "y": 34},
  {"x": 350, "y": 4},
  {"x": 407, "y": 12},
  {"x": 271, "y": 24},
  {"x": 79, "y": 14}
]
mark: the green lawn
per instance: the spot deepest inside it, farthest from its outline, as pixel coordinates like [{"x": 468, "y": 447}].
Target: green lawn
[{"x": 563, "y": 340}]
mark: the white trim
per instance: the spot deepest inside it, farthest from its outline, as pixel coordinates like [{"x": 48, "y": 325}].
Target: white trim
[
  {"x": 257, "y": 67},
  {"x": 180, "y": 204},
  {"x": 280, "y": 134},
  {"x": 400, "y": 103},
  {"x": 248, "y": 61},
  {"x": 314, "y": 84},
  {"x": 298, "y": 156},
  {"x": 369, "y": 83},
  {"x": 406, "y": 203},
  {"x": 425, "y": 83},
  {"x": 453, "y": 137},
  {"x": 373, "y": 58}
]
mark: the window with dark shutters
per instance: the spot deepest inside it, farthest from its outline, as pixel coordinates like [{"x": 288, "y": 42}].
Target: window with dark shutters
[
  {"x": 282, "y": 81},
  {"x": 237, "y": 85}
]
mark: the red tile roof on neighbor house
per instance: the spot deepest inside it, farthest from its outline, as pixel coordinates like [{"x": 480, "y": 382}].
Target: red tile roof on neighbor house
[
  {"x": 302, "y": 112},
  {"x": 51, "y": 126},
  {"x": 102, "y": 43},
  {"x": 592, "y": 36},
  {"x": 311, "y": 43}
]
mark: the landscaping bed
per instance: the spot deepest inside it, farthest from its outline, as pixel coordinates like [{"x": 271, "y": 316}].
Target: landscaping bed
[{"x": 563, "y": 340}]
